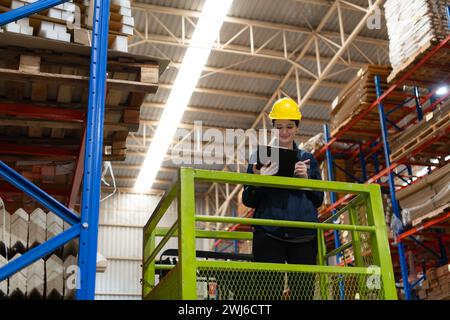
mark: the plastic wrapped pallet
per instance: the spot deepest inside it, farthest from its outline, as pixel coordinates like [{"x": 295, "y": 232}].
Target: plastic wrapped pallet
[{"x": 314, "y": 143}]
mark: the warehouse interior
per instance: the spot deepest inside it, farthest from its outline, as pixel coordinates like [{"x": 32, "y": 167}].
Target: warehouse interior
[{"x": 118, "y": 180}]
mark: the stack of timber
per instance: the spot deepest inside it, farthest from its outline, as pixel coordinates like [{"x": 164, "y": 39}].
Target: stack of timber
[
  {"x": 437, "y": 284},
  {"x": 19, "y": 243},
  {"x": 5, "y": 230},
  {"x": 52, "y": 89},
  {"x": 54, "y": 265},
  {"x": 427, "y": 137},
  {"x": 70, "y": 260},
  {"x": 356, "y": 97},
  {"x": 44, "y": 90},
  {"x": 36, "y": 272},
  {"x": 54, "y": 177},
  {"x": 51, "y": 277},
  {"x": 427, "y": 198},
  {"x": 72, "y": 22},
  {"x": 415, "y": 28}
]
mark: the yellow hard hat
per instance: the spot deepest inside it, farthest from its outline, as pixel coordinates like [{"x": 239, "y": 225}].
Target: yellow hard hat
[{"x": 285, "y": 109}]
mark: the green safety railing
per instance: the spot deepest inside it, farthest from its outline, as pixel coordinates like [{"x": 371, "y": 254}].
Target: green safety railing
[{"x": 369, "y": 276}]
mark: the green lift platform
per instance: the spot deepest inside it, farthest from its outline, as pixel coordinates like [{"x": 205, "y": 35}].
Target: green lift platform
[{"x": 370, "y": 276}]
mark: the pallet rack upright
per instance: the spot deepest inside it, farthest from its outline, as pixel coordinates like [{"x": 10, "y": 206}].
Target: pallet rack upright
[{"x": 86, "y": 226}]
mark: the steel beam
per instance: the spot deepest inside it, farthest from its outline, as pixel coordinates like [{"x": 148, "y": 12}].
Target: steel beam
[
  {"x": 338, "y": 54},
  {"x": 250, "y": 22},
  {"x": 38, "y": 112},
  {"x": 394, "y": 201},
  {"x": 38, "y": 151}
]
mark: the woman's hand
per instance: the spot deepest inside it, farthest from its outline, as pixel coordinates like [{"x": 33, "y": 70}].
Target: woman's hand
[
  {"x": 269, "y": 169},
  {"x": 301, "y": 169}
]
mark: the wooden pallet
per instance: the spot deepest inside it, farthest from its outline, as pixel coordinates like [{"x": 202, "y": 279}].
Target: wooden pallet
[
  {"x": 55, "y": 80},
  {"x": 425, "y": 133}
]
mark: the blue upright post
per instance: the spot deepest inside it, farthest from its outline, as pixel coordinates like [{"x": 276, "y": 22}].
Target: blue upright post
[
  {"x": 337, "y": 242},
  {"x": 376, "y": 163},
  {"x": 330, "y": 173},
  {"x": 433, "y": 97},
  {"x": 418, "y": 105},
  {"x": 396, "y": 209},
  {"x": 410, "y": 172},
  {"x": 93, "y": 152},
  {"x": 363, "y": 164},
  {"x": 443, "y": 252},
  {"x": 448, "y": 16},
  {"x": 236, "y": 242}
]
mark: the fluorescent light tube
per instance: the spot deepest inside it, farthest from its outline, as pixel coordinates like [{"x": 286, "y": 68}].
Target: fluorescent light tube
[{"x": 205, "y": 33}]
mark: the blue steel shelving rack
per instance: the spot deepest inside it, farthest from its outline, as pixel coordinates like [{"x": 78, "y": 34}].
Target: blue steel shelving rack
[
  {"x": 388, "y": 170},
  {"x": 86, "y": 226}
]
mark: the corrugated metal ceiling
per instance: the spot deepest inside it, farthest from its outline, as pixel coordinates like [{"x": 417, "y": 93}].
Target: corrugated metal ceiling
[{"x": 236, "y": 88}]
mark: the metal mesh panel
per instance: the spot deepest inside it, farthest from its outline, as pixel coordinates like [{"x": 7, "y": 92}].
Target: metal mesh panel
[
  {"x": 362, "y": 215},
  {"x": 248, "y": 284},
  {"x": 366, "y": 248},
  {"x": 365, "y": 238}
]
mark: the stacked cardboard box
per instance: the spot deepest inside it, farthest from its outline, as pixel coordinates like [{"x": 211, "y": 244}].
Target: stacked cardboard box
[
  {"x": 121, "y": 23},
  {"x": 62, "y": 15},
  {"x": 437, "y": 284},
  {"x": 50, "y": 277},
  {"x": 412, "y": 26},
  {"x": 72, "y": 22},
  {"x": 357, "y": 97},
  {"x": 19, "y": 26},
  {"x": 426, "y": 198}
]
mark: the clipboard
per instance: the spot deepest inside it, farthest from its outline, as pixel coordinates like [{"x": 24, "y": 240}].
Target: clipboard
[{"x": 287, "y": 159}]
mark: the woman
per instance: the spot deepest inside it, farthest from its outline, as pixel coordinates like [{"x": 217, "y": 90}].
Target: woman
[{"x": 279, "y": 244}]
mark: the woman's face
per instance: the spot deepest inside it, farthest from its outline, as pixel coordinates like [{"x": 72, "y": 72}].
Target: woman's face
[{"x": 287, "y": 130}]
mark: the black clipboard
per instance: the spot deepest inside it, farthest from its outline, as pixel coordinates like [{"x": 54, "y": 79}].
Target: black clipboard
[{"x": 287, "y": 159}]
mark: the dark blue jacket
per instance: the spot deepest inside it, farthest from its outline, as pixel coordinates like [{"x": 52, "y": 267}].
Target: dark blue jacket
[{"x": 286, "y": 204}]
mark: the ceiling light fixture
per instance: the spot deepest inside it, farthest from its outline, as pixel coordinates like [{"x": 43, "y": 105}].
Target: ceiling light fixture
[{"x": 205, "y": 33}]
